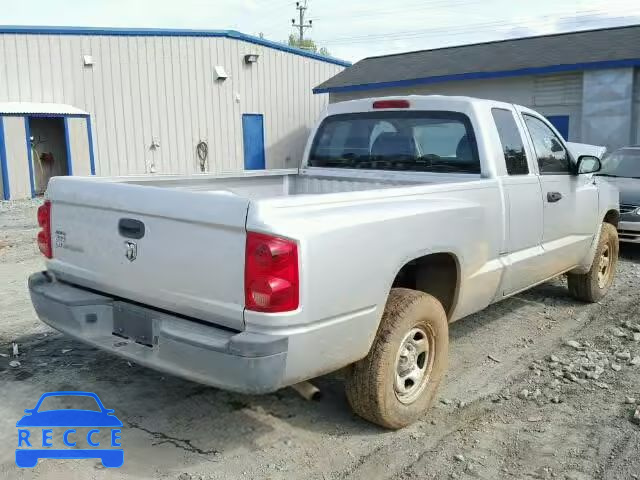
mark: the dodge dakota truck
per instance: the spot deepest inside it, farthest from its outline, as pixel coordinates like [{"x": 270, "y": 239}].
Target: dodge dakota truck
[{"x": 407, "y": 213}]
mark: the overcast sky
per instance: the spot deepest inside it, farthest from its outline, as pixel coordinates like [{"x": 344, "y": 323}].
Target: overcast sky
[{"x": 348, "y": 29}]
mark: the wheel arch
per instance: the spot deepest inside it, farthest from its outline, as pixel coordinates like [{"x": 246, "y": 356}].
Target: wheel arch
[
  {"x": 435, "y": 273},
  {"x": 612, "y": 216}
]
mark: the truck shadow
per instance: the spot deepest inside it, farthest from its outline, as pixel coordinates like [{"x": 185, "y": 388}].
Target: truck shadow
[
  {"x": 630, "y": 252},
  {"x": 160, "y": 410},
  {"x": 163, "y": 411},
  {"x": 550, "y": 295}
]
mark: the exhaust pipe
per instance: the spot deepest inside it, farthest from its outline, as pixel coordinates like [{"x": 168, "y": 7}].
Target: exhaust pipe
[{"x": 307, "y": 390}]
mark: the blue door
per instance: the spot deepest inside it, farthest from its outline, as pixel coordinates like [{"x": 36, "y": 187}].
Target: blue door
[
  {"x": 561, "y": 122},
  {"x": 253, "y": 139}
]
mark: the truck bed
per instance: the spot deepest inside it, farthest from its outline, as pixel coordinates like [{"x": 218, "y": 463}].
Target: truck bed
[
  {"x": 278, "y": 183},
  {"x": 189, "y": 255}
]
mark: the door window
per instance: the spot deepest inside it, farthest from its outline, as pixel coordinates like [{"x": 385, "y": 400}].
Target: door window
[
  {"x": 553, "y": 158},
  {"x": 512, "y": 146}
]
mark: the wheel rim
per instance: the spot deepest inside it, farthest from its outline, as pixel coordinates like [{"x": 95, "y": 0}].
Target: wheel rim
[
  {"x": 414, "y": 363},
  {"x": 605, "y": 266}
]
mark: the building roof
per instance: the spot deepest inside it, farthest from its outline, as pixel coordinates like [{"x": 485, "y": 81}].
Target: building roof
[
  {"x": 31, "y": 108},
  {"x": 159, "y": 32},
  {"x": 589, "y": 49}
]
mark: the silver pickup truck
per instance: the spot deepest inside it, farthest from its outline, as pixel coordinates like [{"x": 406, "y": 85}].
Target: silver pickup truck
[{"x": 407, "y": 213}]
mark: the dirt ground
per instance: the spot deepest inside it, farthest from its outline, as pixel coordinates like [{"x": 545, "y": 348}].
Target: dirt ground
[{"x": 518, "y": 401}]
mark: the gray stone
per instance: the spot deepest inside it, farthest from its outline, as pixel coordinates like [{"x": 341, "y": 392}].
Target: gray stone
[
  {"x": 593, "y": 356},
  {"x": 573, "y": 344},
  {"x": 615, "y": 367},
  {"x": 623, "y": 355},
  {"x": 571, "y": 377},
  {"x": 555, "y": 383},
  {"x": 636, "y": 337},
  {"x": 184, "y": 476},
  {"x": 524, "y": 394},
  {"x": 556, "y": 399},
  {"x": 630, "y": 400},
  {"x": 617, "y": 332},
  {"x": 459, "y": 457},
  {"x": 536, "y": 393},
  {"x": 636, "y": 416},
  {"x": 553, "y": 358},
  {"x": 635, "y": 360},
  {"x": 595, "y": 374},
  {"x": 445, "y": 401},
  {"x": 604, "y": 386}
]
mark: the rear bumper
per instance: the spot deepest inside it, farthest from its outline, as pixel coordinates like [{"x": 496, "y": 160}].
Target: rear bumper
[
  {"x": 244, "y": 362},
  {"x": 629, "y": 232}
]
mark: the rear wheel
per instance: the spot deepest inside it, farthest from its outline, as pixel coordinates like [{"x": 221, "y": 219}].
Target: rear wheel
[
  {"x": 593, "y": 285},
  {"x": 396, "y": 382}
]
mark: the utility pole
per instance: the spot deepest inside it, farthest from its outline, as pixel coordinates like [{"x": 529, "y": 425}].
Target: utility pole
[{"x": 301, "y": 26}]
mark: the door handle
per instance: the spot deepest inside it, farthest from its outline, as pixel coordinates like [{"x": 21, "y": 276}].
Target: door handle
[
  {"x": 131, "y": 228},
  {"x": 553, "y": 197}
]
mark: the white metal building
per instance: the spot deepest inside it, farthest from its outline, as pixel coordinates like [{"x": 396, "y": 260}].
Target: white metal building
[
  {"x": 586, "y": 83},
  {"x": 135, "y": 101}
]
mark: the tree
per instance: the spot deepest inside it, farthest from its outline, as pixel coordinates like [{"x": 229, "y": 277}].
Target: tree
[{"x": 307, "y": 44}]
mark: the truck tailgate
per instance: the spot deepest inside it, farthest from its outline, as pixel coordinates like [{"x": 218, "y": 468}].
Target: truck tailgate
[{"x": 190, "y": 259}]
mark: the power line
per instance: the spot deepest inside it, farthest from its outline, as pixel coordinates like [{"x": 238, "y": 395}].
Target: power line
[
  {"x": 462, "y": 30},
  {"x": 351, "y": 15}
]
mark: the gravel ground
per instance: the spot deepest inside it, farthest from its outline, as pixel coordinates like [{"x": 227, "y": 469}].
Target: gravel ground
[{"x": 539, "y": 386}]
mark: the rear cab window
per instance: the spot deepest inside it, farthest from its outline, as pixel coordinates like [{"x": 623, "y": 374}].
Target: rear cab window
[{"x": 423, "y": 141}]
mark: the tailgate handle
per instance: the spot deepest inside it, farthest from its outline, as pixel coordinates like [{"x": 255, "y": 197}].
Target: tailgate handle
[{"x": 131, "y": 228}]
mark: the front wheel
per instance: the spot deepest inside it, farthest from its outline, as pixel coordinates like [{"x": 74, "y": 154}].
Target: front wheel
[
  {"x": 593, "y": 285},
  {"x": 396, "y": 382}
]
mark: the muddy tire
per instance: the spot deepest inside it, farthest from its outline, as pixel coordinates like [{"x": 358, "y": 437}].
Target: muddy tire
[
  {"x": 593, "y": 285},
  {"x": 396, "y": 382}
]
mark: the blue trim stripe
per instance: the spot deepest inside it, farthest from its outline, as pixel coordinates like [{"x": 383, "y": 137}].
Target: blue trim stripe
[
  {"x": 632, "y": 62},
  {"x": 45, "y": 115},
  {"x": 160, "y": 32},
  {"x": 91, "y": 158},
  {"x": 27, "y": 130},
  {"x": 6, "y": 190},
  {"x": 68, "y": 146}
]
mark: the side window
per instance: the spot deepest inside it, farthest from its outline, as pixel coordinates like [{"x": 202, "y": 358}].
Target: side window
[
  {"x": 512, "y": 145},
  {"x": 553, "y": 159}
]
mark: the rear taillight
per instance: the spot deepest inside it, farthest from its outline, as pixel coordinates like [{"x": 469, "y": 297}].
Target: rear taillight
[
  {"x": 270, "y": 274},
  {"x": 44, "y": 235}
]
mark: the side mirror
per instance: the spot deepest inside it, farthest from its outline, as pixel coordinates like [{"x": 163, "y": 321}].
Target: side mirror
[{"x": 588, "y": 164}]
